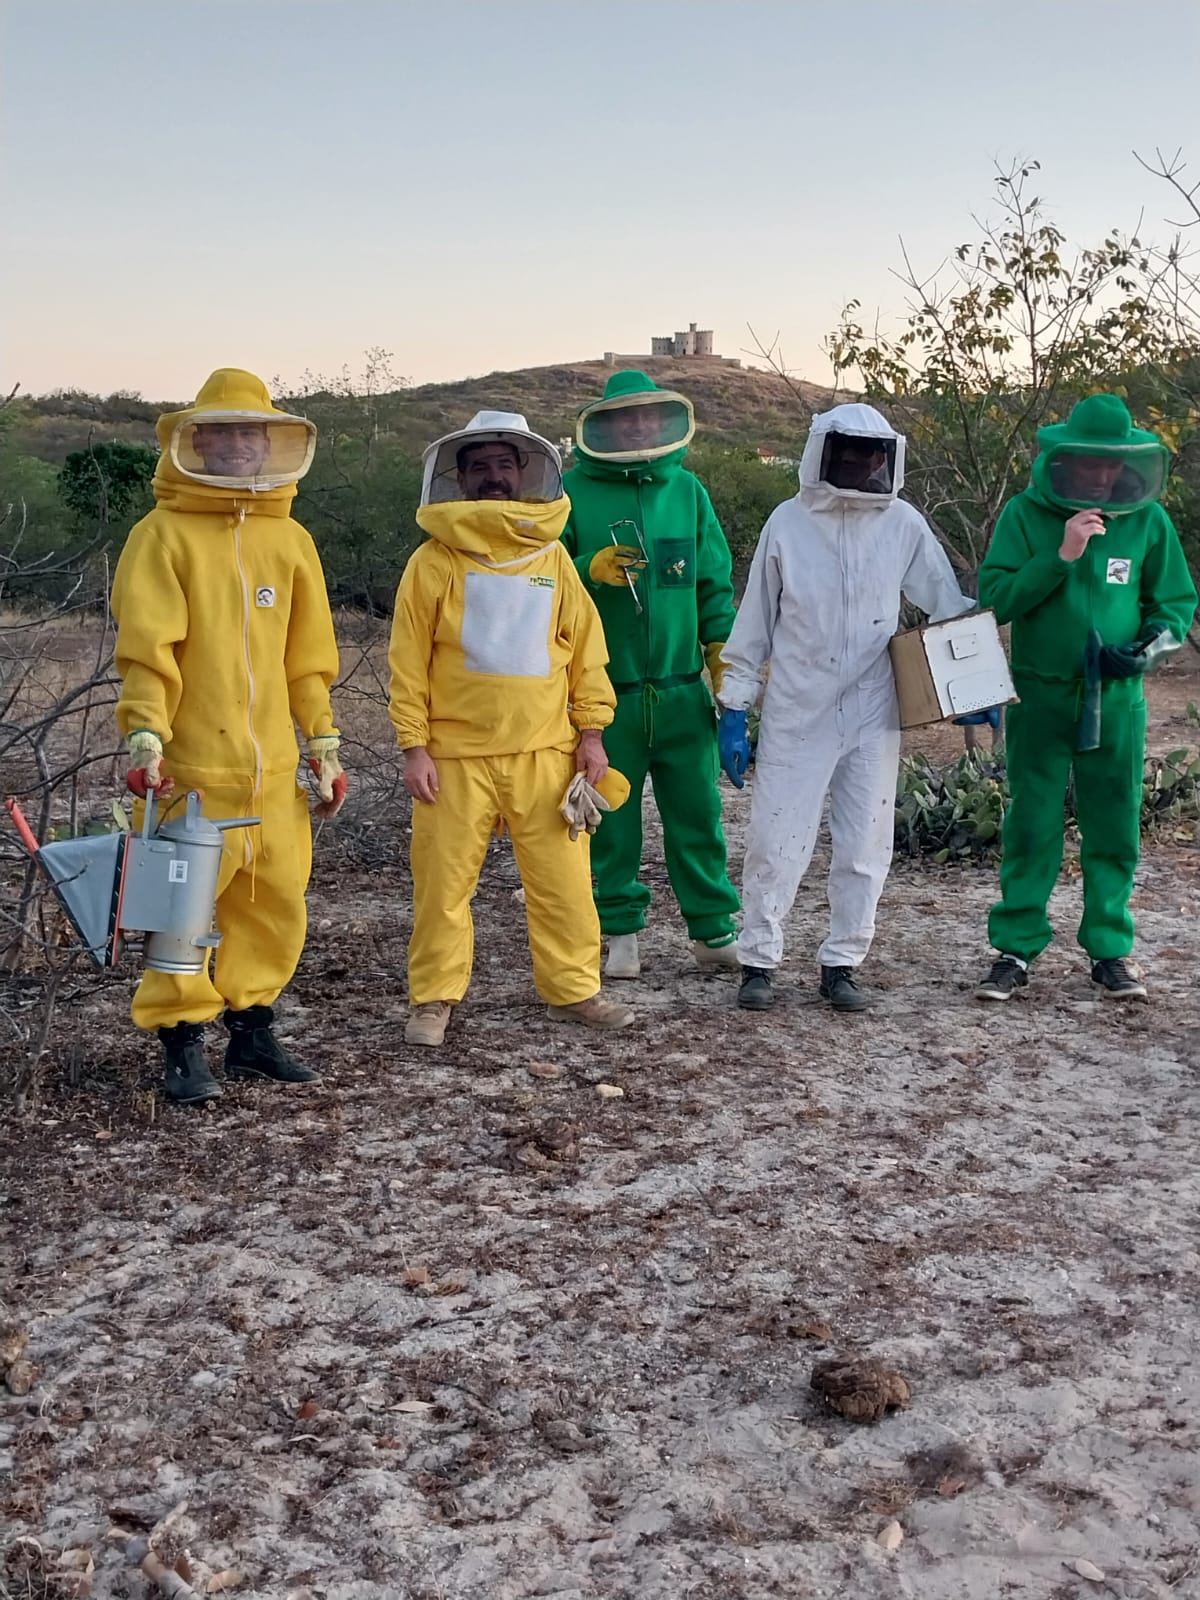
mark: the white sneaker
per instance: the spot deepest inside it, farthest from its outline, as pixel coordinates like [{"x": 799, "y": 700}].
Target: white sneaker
[
  {"x": 716, "y": 958},
  {"x": 623, "y": 959}
]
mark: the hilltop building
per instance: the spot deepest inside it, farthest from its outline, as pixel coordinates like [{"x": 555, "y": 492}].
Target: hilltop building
[{"x": 695, "y": 343}]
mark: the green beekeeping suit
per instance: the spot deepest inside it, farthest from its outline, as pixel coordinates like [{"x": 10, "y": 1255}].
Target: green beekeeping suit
[
  {"x": 665, "y": 612},
  {"x": 1082, "y": 707}
]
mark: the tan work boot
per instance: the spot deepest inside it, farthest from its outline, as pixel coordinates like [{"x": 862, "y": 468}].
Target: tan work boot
[
  {"x": 594, "y": 1013},
  {"x": 716, "y": 957},
  {"x": 427, "y": 1023}
]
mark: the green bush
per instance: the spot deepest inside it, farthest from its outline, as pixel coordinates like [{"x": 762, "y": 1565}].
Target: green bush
[
  {"x": 953, "y": 815},
  {"x": 950, "y": 814},
  {"x": 744, "y": 492}
]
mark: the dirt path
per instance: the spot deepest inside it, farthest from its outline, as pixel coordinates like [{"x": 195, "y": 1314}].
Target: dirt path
[{"x": 449, "y": 1327}]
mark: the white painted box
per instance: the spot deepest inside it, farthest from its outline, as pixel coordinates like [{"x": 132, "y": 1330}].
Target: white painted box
[{"x": 949, "y": 669}]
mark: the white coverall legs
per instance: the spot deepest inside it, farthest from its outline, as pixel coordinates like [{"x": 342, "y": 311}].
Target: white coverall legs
[{"x": 857, "y": 768}]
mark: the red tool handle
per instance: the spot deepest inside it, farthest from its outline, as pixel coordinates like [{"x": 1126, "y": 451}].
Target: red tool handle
[{"x": 28, "y": 837}]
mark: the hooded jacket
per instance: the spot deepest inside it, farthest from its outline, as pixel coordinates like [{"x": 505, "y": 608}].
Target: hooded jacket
[
  {"x": 823, "y": 597},
  {"x": 496, "y": 648},
  {"x": 686, "y": 589},
  {"x": 1131, "y": 581},
  {"x": 225, "y": 641}
]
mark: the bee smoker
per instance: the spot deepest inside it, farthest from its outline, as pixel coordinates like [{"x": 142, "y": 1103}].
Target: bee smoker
[{"x": 161, "y": 883}]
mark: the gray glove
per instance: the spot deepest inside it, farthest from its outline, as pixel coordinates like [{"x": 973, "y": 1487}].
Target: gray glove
[
  {"x": 1132, "y": 660},
  {"x": 1158, "y": 647},
  {"x": 582, "y": 807}
]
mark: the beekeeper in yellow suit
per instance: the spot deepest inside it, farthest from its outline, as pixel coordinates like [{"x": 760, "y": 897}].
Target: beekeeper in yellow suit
[
  {"x": 499, "y": 697},
  {"x": 225, "y": 646}
]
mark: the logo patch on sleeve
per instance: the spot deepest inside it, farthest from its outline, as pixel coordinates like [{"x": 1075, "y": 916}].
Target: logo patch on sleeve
[
  {"x": 1119, "y": 569},
  {"x": 265, "y": 598}
]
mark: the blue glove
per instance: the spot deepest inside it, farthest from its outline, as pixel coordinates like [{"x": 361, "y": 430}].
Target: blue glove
[
  {"x": 977, "y": 719},
  {"x": 734, "y": 746}
]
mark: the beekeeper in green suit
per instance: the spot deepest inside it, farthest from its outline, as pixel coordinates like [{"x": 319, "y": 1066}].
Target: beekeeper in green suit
[
  {"x": 652, "y": 555},
  {"x": 1088, "y": 568}
]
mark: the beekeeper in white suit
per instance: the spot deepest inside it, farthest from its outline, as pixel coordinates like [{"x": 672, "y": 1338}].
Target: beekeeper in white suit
[{"x": 822, "y": 601}]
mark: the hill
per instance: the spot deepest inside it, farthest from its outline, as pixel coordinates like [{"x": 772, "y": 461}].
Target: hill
[{"x": 734, "y": 405}]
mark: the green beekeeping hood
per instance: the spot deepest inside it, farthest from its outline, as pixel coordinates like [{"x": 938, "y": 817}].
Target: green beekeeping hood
[
  {"x": 635, "y": 421},
  {"x": 1098, "y": 461}
]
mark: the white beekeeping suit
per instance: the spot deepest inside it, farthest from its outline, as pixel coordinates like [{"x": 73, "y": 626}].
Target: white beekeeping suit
[{"x": 822, "y": 601}]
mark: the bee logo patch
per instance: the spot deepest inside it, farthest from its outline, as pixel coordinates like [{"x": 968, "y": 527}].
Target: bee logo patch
[
  {"x": 265, "y": 598},
  {"x": 1119, "y": 570}
]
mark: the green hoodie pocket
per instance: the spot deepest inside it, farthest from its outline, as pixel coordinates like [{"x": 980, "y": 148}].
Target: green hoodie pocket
[{"x": 675, "y": 563}]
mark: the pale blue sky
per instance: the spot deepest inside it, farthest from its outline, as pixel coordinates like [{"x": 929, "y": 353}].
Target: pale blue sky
[{"x": 281, "y": 183}]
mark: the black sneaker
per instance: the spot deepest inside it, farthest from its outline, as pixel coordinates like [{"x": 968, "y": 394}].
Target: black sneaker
[
  {"x": 187, "y": 1079},
  {"x": 756, "y": 993},
  {"x": 1007, "y": 975},
  {"x": 839, "y": 988},
  {"x": 255, "y": 1052},
  {"x": 1115, "y": 978}
]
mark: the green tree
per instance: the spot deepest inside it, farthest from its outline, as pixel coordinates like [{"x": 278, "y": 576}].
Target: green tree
[
  {"x": 360, "y": 496},
  {"x": 108, "y": 485},
  {"x": 1021, "y": 330},
  {"x": 744, "y": 491}
]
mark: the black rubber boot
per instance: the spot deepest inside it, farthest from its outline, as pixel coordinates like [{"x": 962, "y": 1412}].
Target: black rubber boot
[
  {"x": 839, "y": 988},
  {"x": 756, "y": 993},
  {"x": 187, "y": 1079},
  {"x": 254, "y": 1051}
]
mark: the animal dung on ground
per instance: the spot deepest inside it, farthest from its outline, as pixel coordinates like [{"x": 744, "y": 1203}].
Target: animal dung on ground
[
  {"x": 14, "y": 1341},
  {"x": 20, "y": 1377},
  {"x": 862, "y": 1391}
]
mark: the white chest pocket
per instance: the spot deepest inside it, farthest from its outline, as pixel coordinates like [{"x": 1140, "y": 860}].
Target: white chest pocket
[{"x": 506, "y": 625}]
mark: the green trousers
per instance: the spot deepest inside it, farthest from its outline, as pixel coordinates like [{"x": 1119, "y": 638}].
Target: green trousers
[
  {"x": 1108, "y": 803},
  {"x": 670, "y": 735}
]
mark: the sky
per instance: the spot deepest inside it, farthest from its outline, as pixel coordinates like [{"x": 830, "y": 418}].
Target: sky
[{"x": 474, "y": 186}]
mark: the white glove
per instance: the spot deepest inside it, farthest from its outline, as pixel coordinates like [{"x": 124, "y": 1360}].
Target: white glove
[
  {"x": 323, "y": 758},
  {"x": 582, "y": 806},
  {"x": 145, "y": 765}
]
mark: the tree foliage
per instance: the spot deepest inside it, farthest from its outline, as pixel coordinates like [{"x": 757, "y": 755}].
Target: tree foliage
[
  {"x": 1002, "y": 339},
  {"x": 108, "y": 484}
]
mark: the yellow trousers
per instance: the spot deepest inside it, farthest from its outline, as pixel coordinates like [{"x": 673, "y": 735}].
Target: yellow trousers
[
  {"x": 449, "y": 843},
  {"x": 261, "y": 915}
]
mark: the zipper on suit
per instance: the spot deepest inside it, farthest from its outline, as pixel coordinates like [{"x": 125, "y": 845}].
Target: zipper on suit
[
  {"x": 648, "y": 586},
  {"x": 841, "y": 709},
  {"x": 258, "y": 761}
]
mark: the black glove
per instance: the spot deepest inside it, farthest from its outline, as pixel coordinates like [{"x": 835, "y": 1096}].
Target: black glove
[
  {"x": 1131, "y": 660},
  {"x": 1123, "y": 660}
]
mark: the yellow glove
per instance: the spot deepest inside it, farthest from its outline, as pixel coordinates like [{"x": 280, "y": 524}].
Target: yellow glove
[
  {"x": 616, "y": 564},
  {"x": 331, "y": 780},
  {"x": 716, "y": 667},
  {"x": 582, "y": 807}
]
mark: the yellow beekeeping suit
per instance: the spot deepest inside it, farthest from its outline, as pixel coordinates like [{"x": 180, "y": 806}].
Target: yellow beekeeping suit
[
  {"x": 225, "y": 645},
  {"x": 497, "y": 663}
]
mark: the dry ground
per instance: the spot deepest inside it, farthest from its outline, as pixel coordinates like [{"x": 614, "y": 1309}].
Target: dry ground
[{"x": 454, "y": 1325}]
